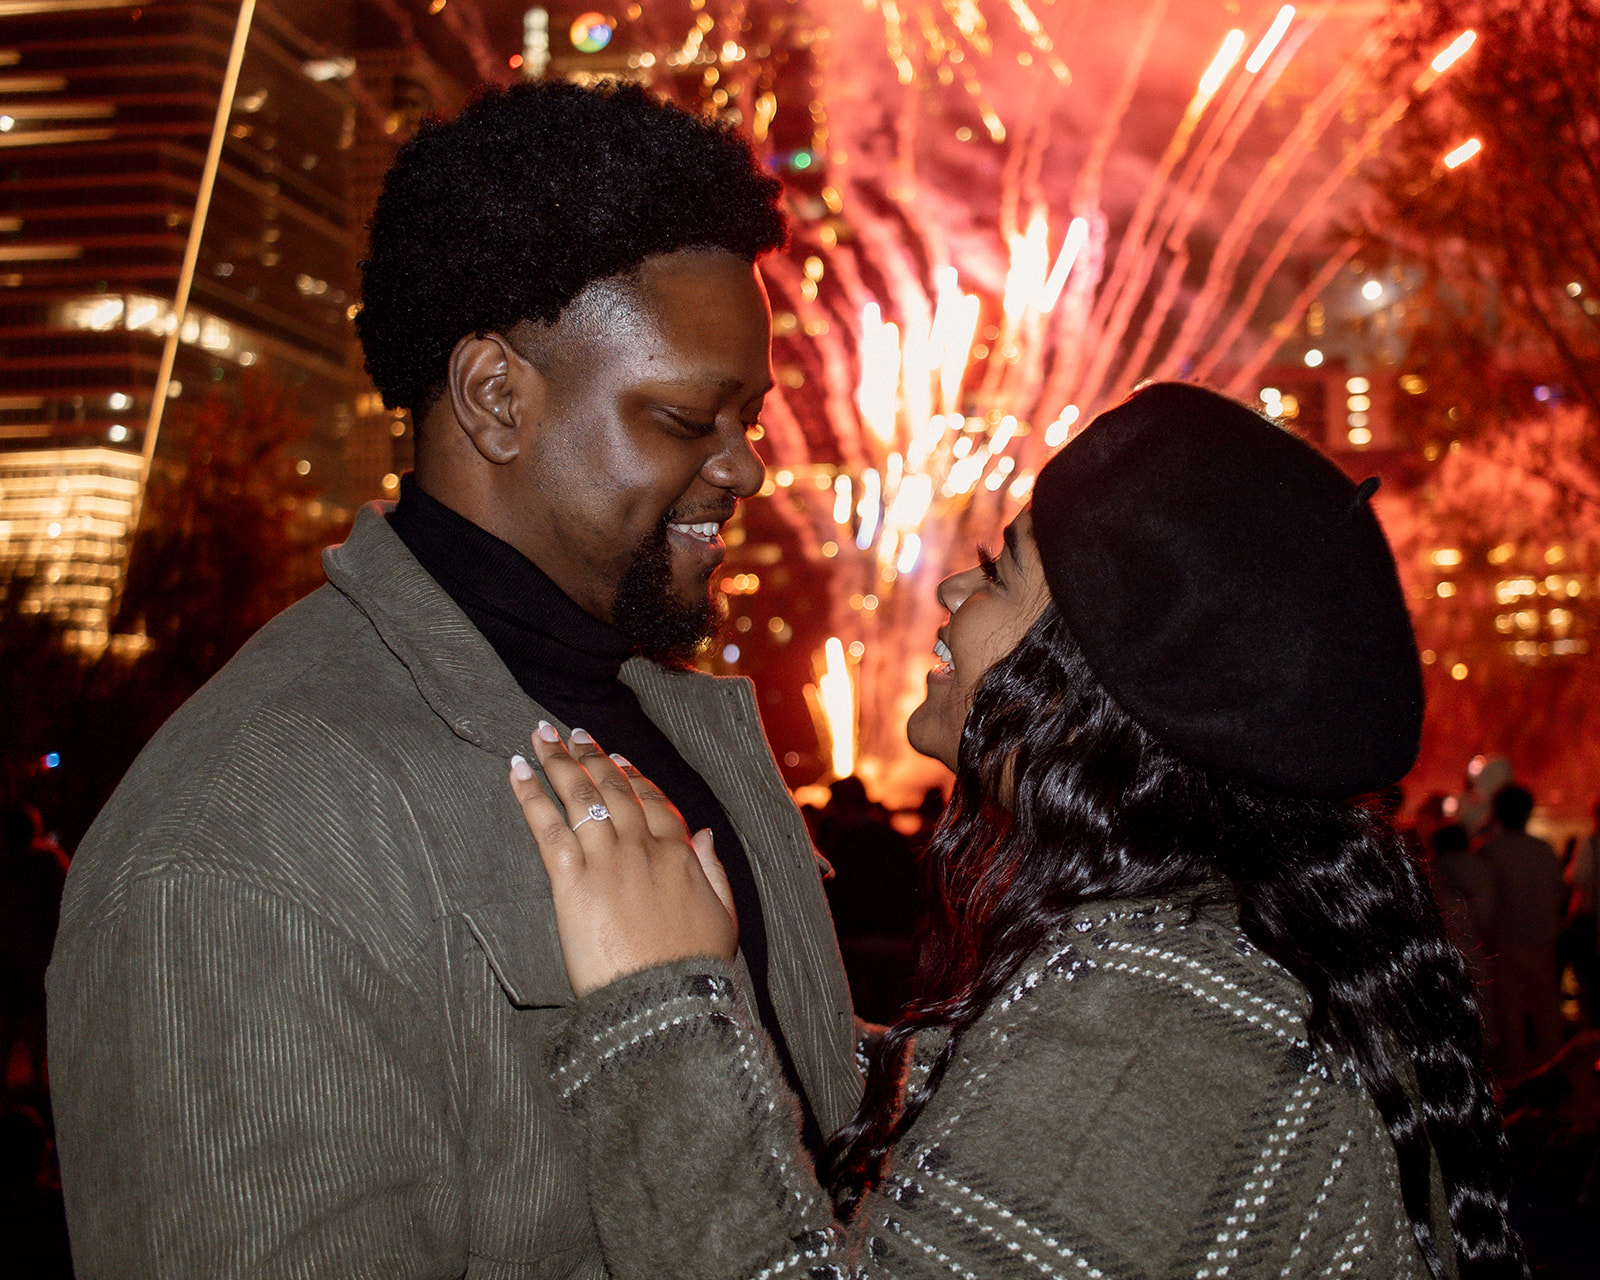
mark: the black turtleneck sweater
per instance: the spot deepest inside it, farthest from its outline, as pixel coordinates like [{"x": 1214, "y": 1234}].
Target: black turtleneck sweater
[{"x": 568, "y": 661}]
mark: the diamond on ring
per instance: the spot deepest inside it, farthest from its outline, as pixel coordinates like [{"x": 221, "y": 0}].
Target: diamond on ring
[{"x": 596, "y": 812}]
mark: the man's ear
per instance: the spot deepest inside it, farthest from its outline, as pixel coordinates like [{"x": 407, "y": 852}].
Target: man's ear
[{"x": 493, "y": 390}]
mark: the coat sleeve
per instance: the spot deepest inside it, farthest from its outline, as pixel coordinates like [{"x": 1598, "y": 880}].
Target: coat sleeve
[
  {"x": 245, "y": 1091},
  {"x": 694, "y": 1161},
  {"x": 1130, "y": 1138}
]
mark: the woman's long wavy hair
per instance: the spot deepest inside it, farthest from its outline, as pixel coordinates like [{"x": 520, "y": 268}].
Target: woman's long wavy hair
[{"x": 1100, "y": 809}]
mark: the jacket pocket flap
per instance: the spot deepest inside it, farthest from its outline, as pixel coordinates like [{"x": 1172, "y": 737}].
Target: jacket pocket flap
[{"x": 524, "y": 951}]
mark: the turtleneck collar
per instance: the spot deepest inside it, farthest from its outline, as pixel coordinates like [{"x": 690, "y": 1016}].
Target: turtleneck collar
[{"x": 556, "y": 651}]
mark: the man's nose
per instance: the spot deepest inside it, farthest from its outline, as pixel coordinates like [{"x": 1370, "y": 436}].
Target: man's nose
[{"x": 736, "y": 465}]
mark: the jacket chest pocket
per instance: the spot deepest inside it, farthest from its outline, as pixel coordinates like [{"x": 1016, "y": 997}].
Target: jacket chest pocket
[
  {"x": 527, "y": 1208},
  {"x": 523, "y": 950}
]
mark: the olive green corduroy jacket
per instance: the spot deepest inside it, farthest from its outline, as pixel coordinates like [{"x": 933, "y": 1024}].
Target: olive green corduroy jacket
[{"x": 307, "y": 962}]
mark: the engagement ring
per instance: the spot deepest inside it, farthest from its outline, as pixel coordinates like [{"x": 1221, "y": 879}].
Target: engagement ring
[{"x": 595, "y": 811}]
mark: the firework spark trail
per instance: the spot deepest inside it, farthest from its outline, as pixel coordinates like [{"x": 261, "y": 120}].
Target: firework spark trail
[
  {"x": 1240, "y": 315},
  {"x": 1076, "y": 339},
  {"x": 1013, "y": 381},
  {"x": 1140, "y": 352},
  {"x": 1039, "y": 38},
  {"x": 1115, "y": 306},
  {"x": 1254, "y": 87},
  {"x": 831, "y": 351},
  {"x": 1070, "y": 332},
  {"x": 1029, "y": 373},
  {"x": 466, "y": 22},
  {"x": 1380, "y": 125},
  {"x": 1168, "y": 234},
  {"x": 1240, "y": 386},
  {"x": 1190, "y": 195},
  {"x": 1087, "y": 193},
  {"x": 1264, "y": 192}
]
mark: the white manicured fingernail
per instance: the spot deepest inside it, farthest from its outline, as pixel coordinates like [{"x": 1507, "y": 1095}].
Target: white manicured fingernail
[{"x": 521, "y": 770}]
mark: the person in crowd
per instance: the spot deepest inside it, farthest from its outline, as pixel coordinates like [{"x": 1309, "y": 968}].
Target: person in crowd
[
  {"x": 31, "y": 1218},
  {"x": 1187, "y": 1007},
  {"x": 1435, "y": 811},
  {"x": 1463, "y": 885},
  {"x": 33, "y": 869},
  {"x": 872, "y": 895},
  {"x": 1552, "y": 1123},
  {"x": 1530, "y": 901},
  {"x": 1582, "y": 935},
  {"x": 1486, "y": 774},
  {"x": 928, "y": 812},
  {"x": 306, "y": 968}
]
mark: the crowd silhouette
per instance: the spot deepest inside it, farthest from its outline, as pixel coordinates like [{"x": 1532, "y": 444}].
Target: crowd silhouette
[{"x": 32, "y": 873}]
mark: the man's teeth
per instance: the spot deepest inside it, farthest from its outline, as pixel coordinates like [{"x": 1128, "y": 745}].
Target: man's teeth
[
  {"x": 941, "y": 651},
  {"x": 705, "y": 532}
]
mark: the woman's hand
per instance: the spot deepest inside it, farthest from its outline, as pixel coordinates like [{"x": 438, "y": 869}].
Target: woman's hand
[{"x": 631, "y": 888}]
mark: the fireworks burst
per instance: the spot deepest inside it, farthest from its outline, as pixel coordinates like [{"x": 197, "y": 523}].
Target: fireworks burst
[{"x": 1009, "y": 214}]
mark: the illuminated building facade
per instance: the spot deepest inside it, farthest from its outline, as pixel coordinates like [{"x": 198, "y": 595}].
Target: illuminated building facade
[{"x": 106, "y": 116}]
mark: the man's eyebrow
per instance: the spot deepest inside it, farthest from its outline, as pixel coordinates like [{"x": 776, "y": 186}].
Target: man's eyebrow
[{"x": 717, "y": 382}]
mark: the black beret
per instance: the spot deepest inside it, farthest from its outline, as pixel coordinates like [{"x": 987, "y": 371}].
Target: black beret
[{"x": 1234, "y": 593}]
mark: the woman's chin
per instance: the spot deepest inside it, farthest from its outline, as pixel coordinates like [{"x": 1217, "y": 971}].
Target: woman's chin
[{"x": 929, "y": 736}]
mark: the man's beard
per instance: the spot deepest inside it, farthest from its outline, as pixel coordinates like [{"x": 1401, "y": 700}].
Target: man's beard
[{"x": 649, "y": 612}]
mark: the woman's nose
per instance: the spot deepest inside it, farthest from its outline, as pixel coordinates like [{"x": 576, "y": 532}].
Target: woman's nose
[{"x": 955, "y": 589}]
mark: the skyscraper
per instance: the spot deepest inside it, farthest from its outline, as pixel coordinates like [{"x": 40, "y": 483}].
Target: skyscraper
[{"x": 106, "y": 115}]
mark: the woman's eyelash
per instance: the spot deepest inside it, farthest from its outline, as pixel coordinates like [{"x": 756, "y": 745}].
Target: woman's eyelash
[{"x": 987, "y": 563}]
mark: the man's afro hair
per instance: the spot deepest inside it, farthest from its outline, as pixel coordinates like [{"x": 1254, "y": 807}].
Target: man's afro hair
[{"x": 510, "y": 210}]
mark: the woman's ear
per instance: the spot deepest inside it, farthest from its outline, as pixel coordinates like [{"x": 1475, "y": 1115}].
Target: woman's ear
[{"x": 493, "y": 391}]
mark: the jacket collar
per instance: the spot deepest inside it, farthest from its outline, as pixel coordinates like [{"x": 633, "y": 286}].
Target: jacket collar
[{"x": 456, "y": 670}]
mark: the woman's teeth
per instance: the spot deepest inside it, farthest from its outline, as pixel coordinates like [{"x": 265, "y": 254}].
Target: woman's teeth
[{"x": 941, "y": 651}]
